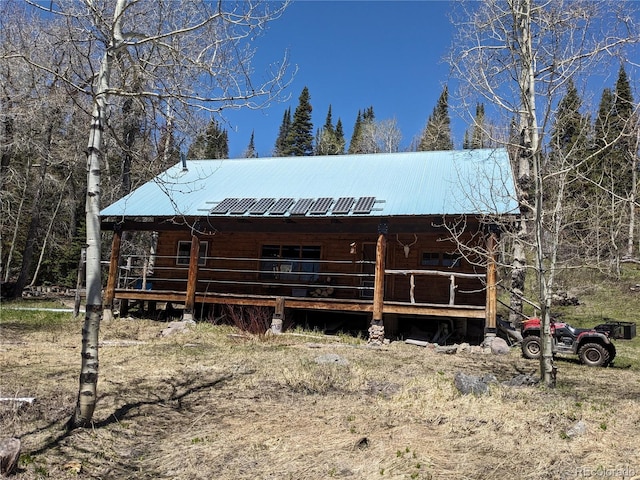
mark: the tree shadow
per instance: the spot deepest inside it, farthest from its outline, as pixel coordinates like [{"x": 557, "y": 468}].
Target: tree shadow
[
  {"x": 122, "y": 412},
  {"x": 180, "y": 391}
]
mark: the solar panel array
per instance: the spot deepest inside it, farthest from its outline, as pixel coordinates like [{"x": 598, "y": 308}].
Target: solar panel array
[{"x": 301, "y": 206}]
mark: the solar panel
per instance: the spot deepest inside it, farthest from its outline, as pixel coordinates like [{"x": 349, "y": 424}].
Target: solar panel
[
  {"x": 321, "y": 206},
  {"x": 281, "y": 206},
  {"x": 364, "y": 205},
  {"x": 343, "y": 205},
  {"x": 242, "y": 206},
  {"x": 224, "y": 206},
  {"x": 302, "y": 206},
  {"x": 261, "y": 206}
]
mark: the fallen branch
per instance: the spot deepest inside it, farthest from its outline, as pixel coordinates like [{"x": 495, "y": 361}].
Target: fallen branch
[
  {"x": 121, "y": 343},
  {"x": 419, "y": 343},
  {"x": 28, "y": 400}
]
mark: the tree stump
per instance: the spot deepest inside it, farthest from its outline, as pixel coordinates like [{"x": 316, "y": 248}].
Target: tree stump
[{"x": 9, "y": 455}]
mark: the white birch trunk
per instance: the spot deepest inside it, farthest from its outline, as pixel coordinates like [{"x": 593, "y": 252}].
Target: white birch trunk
[
  {"x": 87, "y": 394},
  {"x": 634, "y": 196},
  {"x": 523, "y": 12}
]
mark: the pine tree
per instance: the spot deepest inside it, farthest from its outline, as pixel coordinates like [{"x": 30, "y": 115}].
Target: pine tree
[
  {"x": 217, "y": 142},
  {"x": 567, "y": 151},
  {"x": 281, "y": 142},
  {"x": 213, "y": 144},
  {"x": 299, "y": 141},
  {"x": 362, "y": 139},
  {"x": 479, "y": 137},
  {"x": 250, "y": 152},
  {"x": 570, "y": 130},
  {"x": 355, "y": 136},
  {"x": 612, "y": 171},
  {"x": 340, "y": 137},
  {"x": 328, "y": 141},
  {"x": 613, "y": 137},
  {"x": 622, "y": 124},
  {"x": 437, "y": 133}
]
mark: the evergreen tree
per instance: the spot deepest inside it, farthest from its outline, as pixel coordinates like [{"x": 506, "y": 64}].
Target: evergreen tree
[
  {"x": 603, "y": 134},
  {"x": 355, "y": 136},
  {"x": 363, "y": 137},
  {"x": 213, "y": 144},
  {"x": 613, "y": 137},
  {"x": 622, "y": 124},
  {"x": 612, "y": 171},
  {"x": 281, "y": 142},
  {"x": 250, "y": 152},
  {"x": 567, "y": 151},
  {"x": 328, "y": 140},
  {"x": 299, "y": 140},
  {"x": 217, "y": 142},
  {"x": 328, "y": 124},
  {"x": 571, "y": 128},
  {"x": 437, "y": 133},
  {"x": 340, "y": 136},
  {"x": 477, "y": 136}
]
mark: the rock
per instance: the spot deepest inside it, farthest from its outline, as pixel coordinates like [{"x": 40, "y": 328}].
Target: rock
[
  {"x": 577, "y": 429},
  {"x": 9, "y": 455},
  {"x": 376, "y": 334},
  {"x": 467, "y": 384},
  {"x": 449, "y": 349},
  {"x": 499, "y": 346},
  {"x": 332, "y": 358},
  {"x": 564, "y": 299},
  {"x": 177, "y": 327},
  {"x": 463, "y": 347}
]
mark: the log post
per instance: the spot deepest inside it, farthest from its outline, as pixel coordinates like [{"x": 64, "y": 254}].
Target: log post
[
  {"x": 452, "y": 290},
  {"x": 492, "y": 295},
  {"x": 278, "y": 316},
  {"x": 114, "y": 265},
  {"x": 192, "y": 278},
  {"x": 376, "y": 331},
  {"x": 412, "y": 288}
]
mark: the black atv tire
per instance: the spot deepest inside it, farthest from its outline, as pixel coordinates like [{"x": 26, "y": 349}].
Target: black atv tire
[
  {"x": 531, "y": 347},
  {"x": 594, "y": 355}
]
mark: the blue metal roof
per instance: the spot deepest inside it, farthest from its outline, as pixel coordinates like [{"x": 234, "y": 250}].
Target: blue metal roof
[{"x": 410, "y": 183}]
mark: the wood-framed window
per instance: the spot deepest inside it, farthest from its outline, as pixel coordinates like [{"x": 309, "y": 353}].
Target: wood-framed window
[
  {"x": 290, "y": 262},
  {"x": 184, "y": 252},
  {"x": 439, "y": 259}
]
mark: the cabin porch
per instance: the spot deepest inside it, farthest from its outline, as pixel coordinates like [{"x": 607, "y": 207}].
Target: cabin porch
[{"x": 380, "y": 280}]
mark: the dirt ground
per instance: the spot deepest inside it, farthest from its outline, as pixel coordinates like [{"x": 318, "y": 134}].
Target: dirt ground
[{"x": 214, "y": 404}]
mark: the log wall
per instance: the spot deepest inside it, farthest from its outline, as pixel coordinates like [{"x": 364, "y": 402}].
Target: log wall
[{"x": 242, "y": 276}]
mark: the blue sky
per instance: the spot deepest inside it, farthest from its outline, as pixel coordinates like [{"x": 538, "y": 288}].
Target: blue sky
[{"x": 352, "y": 55}]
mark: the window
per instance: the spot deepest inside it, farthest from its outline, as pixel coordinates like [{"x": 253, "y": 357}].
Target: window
[
  {"x": 430, "y": 258},
  {"x": 449, "y": 260},
  {"x": 184, "y": 252},
  {"x": 290, "y": 262},
  {"x": 437, "y": 259}
]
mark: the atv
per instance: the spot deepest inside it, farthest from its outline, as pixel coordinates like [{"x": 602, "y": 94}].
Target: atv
[{"x": 592, "y": 345}]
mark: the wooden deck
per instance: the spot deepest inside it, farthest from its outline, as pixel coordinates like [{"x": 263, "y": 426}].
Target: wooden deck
[{"x": 307, "y": 303}]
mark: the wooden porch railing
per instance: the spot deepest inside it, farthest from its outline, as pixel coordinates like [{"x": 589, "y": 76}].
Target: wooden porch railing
[{"x": 452, "y": 280}]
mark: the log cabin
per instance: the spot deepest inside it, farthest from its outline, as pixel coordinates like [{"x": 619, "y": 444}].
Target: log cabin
[{"x": 385, "y": 236}]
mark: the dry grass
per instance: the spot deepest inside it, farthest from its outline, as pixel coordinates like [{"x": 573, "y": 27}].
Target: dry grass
[{"x": 208, "y": 404}]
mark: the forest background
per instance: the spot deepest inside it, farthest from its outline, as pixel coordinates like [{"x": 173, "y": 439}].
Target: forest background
[{"x": 44, "y": 125}]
